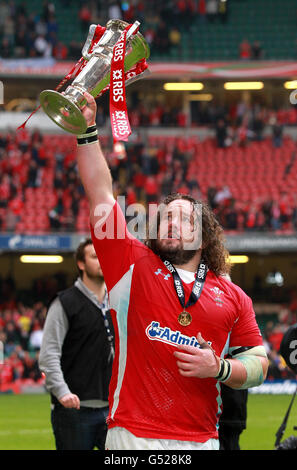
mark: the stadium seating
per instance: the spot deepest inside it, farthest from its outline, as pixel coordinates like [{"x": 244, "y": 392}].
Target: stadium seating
[
  {"x": 254, "y": 174},
  {"x": 204, "y": 40},
  {"x": 256, "y": 171},
  {"x": 221, "y": 40}
]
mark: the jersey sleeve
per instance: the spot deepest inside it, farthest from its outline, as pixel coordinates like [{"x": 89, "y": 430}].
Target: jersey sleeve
[
  {"x": 115, "y": 247},
  {"x": 245, "y": 331}
]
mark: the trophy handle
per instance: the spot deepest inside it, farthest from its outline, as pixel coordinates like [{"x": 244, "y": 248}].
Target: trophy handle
[
  {"x": 85, "y": 50},
  {"x": 133, "y": 29},
  {"x": 87, "y": 44},
  {"x": 143, "y": 74}
]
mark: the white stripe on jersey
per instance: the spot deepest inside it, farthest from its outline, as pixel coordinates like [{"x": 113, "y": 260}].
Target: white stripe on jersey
[{"x": 119, "y": 297}]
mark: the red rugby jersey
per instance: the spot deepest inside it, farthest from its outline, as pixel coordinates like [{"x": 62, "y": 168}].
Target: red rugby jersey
[{"x": 148, "y": 396}]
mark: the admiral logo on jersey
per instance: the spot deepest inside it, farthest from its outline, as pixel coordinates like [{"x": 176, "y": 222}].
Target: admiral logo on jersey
[{"x": 155, "y": 332}]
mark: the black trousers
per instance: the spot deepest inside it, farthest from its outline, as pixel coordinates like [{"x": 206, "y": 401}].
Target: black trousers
[
  {"x": 83, "y": 429},
  {"x": 229, "y": 438}
]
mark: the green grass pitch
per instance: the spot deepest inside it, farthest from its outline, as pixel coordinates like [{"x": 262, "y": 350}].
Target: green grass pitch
[{"x": 25, "y": 422}]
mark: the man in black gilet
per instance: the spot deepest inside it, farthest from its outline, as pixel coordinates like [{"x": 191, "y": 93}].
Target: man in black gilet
[{"x": 76, "y": 357}]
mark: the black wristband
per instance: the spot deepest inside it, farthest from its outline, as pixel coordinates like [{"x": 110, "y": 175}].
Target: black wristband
[
  {"x": 90, "y": 136},
  {"x": 225, "y": 371}
]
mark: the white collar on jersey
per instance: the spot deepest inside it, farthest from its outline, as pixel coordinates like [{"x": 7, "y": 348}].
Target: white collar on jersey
[{"x": 186, "y": 276}]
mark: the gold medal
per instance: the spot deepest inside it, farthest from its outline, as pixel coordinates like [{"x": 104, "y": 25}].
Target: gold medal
[{"x": 184, "y": 318}]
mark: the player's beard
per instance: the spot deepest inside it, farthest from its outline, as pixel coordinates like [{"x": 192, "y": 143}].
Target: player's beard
[{"x": 175, "y": 255}]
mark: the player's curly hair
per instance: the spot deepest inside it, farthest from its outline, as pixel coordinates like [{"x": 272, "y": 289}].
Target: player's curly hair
[{"x": 214, "y": 252}]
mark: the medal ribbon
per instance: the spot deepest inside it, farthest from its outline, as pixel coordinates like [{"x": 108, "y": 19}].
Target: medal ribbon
[{"x": 197, "y": 287}]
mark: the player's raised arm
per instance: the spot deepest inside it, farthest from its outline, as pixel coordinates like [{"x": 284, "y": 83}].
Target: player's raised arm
[{"x": 93, "y": 169}]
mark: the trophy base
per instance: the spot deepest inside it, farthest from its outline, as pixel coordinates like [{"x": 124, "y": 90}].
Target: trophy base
[{"x": 63, "y": 112}]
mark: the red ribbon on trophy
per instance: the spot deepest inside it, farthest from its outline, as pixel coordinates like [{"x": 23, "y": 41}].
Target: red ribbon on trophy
[{"x": 117, "y": 93}]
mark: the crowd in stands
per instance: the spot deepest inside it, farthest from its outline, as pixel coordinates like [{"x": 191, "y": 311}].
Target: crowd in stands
[
  {"x": 22, "y": 317},
  {"x": 273, "y": 332},
  {"x": 21, "y": 330},
  {"x": 248, "y": 51},
  {"x": 27, "y": 35},
  {"x": 277, "y": 369},
  {"x": 36, "y": 34},
  {"x": 38, "y": 172},
  {"x": 242, "y": 121}
]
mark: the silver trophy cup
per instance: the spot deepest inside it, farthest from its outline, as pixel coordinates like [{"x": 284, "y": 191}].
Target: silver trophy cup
[{"x": 65, "y": 109}]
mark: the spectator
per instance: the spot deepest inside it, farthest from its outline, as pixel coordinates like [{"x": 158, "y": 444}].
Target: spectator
[
  {"x": 149, "y": 35},
  {"x": 275, "y": 216},
  {"x": 52, "y": 26},
  {"x": 223, "y": 196},
  {"x": 223, "y": 10},
  {"x": 294, "y": 212},
  {"x": 174, "y": 37},
  {"x": 202, "y": 10},
  {"x": 285, "y": 211},
  {"x": 275, "y": 337},
  {"x": 74, "y": 50},
  {"x": 251, "y": 218},
  {"x": 277, "y": 132},
  {"x": 151, "y": 190},
  {"x": 162, "y": 42},
  {"x": 233, "y": 418},
  {"x": 114, "y": 10},
  {"x": 211, "y": 197},
  {"x": 49, "y": 10},
  {"x": 5, "y": 12},
  {"x": 231, "y": 216},
  {"x": 6, "y": 49},
  {"x": 78, "y": 366},
  {"x": 256, "y": 51},
  {"x": 36, "y": 335},
  {"x": 258, "y": 126},
  {"x": 12, "y": 337},
  {"x": 242, "y": 133},
  {"x": 9, "y": 31},
  {"x": 221, "y": 133},
  {"x": 245, "y": 50},
  {"x": 212, "y": 10},
  {"x": 60, "y": 51},
  {"x": 40, "y": 27},
  {"x": 20, "y": 44},
  {"x": 185, "y": 12},
  {"x": 84, "y": 15},
  {"x": 31, "y": 369},
  {"x": 33, "y": 174},
  {"x": 42, "y": 46},
  {"x": 55, "y": 218}
]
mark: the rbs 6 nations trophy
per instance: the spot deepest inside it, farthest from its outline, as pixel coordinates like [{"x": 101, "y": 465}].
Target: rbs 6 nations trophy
[{"x": 112, "y": 57}]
